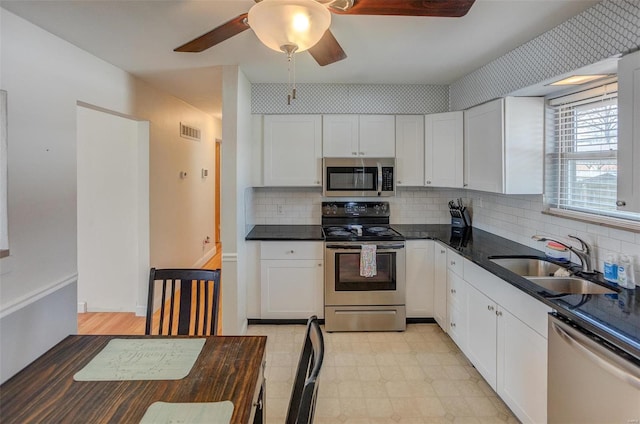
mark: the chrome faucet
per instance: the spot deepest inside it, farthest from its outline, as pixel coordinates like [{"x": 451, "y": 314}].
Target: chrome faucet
[{"x": 584, "y": 253}]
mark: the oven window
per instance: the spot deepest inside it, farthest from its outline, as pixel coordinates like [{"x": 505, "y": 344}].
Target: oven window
[
  {"x": 348, "y": 273},
  {"x": 340, "y": 178}
]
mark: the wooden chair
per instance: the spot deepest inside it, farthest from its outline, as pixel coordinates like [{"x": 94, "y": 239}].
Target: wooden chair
[
  {"x": 183, "y": 302},
  {"x": 305, "y": 386}
]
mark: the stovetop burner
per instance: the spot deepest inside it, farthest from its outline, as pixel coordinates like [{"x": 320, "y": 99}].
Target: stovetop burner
[
  {"x": 357, "y": 221},
  {"x": 350, "y": 233}
]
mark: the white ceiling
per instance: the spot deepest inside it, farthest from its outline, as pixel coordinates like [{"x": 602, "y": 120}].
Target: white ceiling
[{"x": 139, "y": 36}]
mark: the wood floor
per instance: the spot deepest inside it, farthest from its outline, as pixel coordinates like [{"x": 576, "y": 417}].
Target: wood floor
[{"x": 124, "y": 323}]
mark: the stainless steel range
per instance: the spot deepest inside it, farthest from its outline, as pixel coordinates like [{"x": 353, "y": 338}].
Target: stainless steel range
[{"x": 354, "y": 302}]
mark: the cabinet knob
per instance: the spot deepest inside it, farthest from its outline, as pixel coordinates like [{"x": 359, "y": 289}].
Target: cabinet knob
[
  {"x": 443, "y": 251},
  {"x": 317, "y": 182},
  {"x": 499, "y": 313},
  {"x": 399, "y": 182},
  {"x": 621, "y": 203},
  {"x": 361, "y": 153},
  {"x": 291, "y": 251},
  {"x": 319, "y": 264},
  {"x": 453, "y": 291},
  {"x": 428, "y": 182},
  {"x": 453, "y": 324},
  {"x": 465, "y": 184},
  {"x": 453, "y": 262},
  {"x": 491, "y": 308},
  {"x": 354, "y": 153}
]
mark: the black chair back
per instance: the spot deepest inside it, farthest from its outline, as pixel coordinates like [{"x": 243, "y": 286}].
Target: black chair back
[
  {"x": 183, "y": 302},
  {"x": 305, "y": 386}
]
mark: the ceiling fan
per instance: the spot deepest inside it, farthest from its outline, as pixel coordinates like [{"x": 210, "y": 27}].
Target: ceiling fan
[{"x": 327, "y": 50}]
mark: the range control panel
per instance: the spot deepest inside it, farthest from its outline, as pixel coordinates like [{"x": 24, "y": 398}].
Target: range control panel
[{"x": 350, "y": 209}]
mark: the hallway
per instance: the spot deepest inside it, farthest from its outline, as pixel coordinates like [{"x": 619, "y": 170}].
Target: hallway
[{"x": 124, "y": 323}]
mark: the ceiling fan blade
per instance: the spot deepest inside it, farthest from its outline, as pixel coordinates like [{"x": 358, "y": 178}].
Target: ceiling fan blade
[
  {"x": 327, "y": 50},
  {"x": 227, "y": 30},
  {"x": 442, "y": 8}
]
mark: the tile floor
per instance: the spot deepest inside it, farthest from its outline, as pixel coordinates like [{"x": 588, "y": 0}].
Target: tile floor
[{"x": 417, "y": 376}]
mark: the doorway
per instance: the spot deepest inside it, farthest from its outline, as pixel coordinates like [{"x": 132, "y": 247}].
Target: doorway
[{"x": 113, "y": 211}]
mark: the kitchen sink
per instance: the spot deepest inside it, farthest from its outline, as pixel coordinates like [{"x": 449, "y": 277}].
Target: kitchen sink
[
  {"x": 570, "y": 285},
  {"x": 527, "y": 267},
  {"x": 541, "y": 272}
]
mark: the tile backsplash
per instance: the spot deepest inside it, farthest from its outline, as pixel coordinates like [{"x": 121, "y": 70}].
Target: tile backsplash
[
  {"x": 301, "y": 206},
  {"x": 515, "y": 217}
]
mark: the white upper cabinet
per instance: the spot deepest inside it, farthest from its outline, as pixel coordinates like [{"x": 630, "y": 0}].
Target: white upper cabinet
[
  {"x": 409, "y": 150},
  {"x": 444, "y": 145},
  {"x": 340, "y": 136},
  {"x": 378, "y": 136},
  {"x": 292, "y": 150},
  {"x": 629, "y": 133},
  {"x": 504, "y": 146},
  {"x": 358, "y": 135}
]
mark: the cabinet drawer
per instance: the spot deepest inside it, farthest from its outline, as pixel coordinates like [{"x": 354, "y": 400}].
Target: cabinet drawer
[
  {"x": 291, "y": 250},
  {"x": 455, "y": 262}
]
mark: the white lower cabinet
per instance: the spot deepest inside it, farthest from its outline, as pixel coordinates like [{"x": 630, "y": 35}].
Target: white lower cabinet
[
  {"x": 522, "y": 369},
  {"x": 482, "y": 334},
  {"x": 440, "y": 285},
  {"x": 506, "y": 342},
  {"x": 420, "y": 278},
  {"x": 457, "y": 309},
  {"x": 291, "y": 280}
]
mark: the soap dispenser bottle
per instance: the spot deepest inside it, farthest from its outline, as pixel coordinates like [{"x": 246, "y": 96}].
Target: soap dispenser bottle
[{"x": 626, "y": 276}]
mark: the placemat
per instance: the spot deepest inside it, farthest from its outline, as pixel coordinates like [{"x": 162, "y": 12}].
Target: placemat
[
  {"x": 193, "y": 413},
  {"x": 143, "y": 359}
]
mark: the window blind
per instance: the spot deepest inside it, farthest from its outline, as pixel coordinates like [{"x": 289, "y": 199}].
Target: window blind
[
  {"x": 581, "y": 166},
  {"x": 581, "y": 161}
]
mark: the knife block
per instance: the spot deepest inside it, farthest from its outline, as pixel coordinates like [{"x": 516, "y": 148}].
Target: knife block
[{"x": 462, "y": 221}]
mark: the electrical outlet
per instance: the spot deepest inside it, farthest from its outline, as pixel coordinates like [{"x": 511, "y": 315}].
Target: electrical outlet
[{"x": 280, "y": 210}]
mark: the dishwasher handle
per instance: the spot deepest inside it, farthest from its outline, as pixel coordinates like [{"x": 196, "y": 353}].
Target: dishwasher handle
[{"x": 598, "y": 354}]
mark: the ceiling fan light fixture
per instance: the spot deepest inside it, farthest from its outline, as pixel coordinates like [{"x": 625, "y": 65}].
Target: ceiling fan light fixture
[{"x": 280, "y": 23}]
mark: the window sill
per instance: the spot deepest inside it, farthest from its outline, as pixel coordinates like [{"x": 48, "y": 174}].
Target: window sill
[{"x": 604, "y": 221}]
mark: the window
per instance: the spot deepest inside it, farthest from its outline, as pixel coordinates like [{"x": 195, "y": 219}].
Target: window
[{"x": 581, "y": 155}]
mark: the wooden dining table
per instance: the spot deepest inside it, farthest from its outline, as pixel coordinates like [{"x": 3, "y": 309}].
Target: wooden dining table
[{"x": 229, "y": 368}]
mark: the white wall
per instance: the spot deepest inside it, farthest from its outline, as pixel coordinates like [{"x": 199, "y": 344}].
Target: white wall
[
  {"x": 111, "y": 191},
  {"x": 236, "y": 196},
  {"x": 45, "y": 78}
]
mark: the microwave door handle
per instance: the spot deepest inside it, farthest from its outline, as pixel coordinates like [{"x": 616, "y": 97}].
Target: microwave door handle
[{"x": 379, "y": 179}]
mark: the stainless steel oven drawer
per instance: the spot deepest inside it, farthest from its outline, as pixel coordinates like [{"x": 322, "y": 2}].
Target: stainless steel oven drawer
[{"x": 365, "y": 318}]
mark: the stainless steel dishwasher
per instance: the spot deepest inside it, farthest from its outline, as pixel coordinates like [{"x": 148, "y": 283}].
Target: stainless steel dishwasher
[{"x": 589, "y": 380}]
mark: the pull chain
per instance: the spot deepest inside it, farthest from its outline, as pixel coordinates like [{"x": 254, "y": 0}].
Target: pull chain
[
  {"x": 290, "y": 49},
  {"x": 293, "y": 91}
]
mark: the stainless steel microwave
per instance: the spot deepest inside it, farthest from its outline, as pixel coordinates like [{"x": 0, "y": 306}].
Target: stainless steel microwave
[{"x": 361, "y": 177}]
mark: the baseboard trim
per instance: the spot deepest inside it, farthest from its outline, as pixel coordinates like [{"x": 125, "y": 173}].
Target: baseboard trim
[
  {"x": 254, "y": 321},
  {"x": 421, "y": 321},
  {"x": 258, "y": 321}
]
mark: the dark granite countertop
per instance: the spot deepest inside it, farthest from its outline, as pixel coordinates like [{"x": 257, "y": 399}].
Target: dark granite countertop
[
  {"x": 614, "y": 317},
  {"x": 286, "y": 232}
]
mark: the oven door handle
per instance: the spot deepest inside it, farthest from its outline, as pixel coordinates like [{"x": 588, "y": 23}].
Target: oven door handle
[{"x": 359, "y": 247}]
